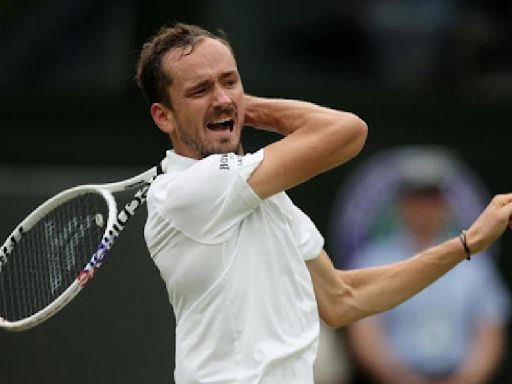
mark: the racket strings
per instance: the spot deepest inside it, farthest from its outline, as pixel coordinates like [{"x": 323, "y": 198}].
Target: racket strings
[{"x": 49, "y": 257}]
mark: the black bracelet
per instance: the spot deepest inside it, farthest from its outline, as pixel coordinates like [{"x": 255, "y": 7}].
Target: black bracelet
[{"x": 464, "y": 242}]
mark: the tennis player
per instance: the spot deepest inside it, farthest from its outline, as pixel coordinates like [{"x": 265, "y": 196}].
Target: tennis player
[{"x": 244, "y": 268}]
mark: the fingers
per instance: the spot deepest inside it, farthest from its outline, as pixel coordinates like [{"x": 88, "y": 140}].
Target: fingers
[
  {"x": 503, "y": 199},
  {"x": 491, "y": 224}
]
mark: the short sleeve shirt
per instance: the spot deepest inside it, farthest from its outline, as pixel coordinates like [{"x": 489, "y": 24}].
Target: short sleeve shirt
[{"x": 234, "y": 269}]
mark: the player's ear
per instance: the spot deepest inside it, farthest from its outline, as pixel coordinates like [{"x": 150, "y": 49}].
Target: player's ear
[{"x": 163, "y": 117}]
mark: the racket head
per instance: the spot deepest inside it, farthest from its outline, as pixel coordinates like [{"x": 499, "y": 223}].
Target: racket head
[{"x": 53, "y": 253}]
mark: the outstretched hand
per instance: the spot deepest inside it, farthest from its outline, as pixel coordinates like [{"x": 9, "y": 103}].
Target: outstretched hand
[{"x": 491, "y": 223}]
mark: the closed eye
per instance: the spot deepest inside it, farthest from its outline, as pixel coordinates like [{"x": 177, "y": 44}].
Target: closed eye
[
  {"x": 198, "y": 90},
  {"x": 230, "y": 79},
  {"x": 231, "y": 82}
]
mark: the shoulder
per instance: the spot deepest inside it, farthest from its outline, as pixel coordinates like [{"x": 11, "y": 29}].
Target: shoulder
[
  {"x": 200, "y": 185},
  {"x": 206, "y": 198}
]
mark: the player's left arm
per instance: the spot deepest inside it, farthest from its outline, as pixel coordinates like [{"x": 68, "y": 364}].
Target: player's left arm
[{"x": 346, "y": 296}]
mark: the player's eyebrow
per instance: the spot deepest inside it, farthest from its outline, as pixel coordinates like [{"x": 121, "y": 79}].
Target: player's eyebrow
[
  {"x": 230, "y": 73},
  {"x": 206, "y": 82},
  {"x": 198, "y": 84}
]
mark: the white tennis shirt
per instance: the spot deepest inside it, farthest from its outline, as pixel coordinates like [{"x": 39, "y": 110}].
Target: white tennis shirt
[{"x": 234, "y": 269}]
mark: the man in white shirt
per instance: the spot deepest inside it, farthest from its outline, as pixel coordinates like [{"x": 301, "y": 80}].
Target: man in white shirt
[{"x": 244, "y": 268}]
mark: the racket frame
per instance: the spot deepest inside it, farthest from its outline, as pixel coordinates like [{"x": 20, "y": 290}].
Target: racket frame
[{"x": 116, "y": 222}]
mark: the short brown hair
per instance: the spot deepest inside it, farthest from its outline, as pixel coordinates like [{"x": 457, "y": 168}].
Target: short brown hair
[{"x": 151, "y": 77}]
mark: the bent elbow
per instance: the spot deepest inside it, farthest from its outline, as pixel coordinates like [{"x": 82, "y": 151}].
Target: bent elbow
[
  {"x": 338, "y": 319},
  {"x": 332, "y": 321},
  {"x": 349, "y": 137},
  {"x": 360, "y": 133},
  {"x": 363, "y": 130},
  {"x": 341, "y": 310}
]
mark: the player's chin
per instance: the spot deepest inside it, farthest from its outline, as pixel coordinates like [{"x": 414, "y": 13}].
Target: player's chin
[
  {"x": 227, "y": 144},
  {"x": 225, "y": 147},
  {"x": 229, "y": 148}
]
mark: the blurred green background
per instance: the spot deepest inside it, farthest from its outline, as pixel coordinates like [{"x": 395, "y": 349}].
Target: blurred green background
[{"x": 419, "y": 72}]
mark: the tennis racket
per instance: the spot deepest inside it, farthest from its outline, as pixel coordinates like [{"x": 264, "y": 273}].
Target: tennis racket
[{"x": 56, "y": 250}]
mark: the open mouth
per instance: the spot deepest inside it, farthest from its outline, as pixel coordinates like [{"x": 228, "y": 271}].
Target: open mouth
[{"x": 221, "y": 125}]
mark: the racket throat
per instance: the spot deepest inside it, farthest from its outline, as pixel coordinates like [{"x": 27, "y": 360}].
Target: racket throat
[
  {"x": 103, "y": 250},
  {"x": 10, "y": 244},
  {"x": 101, "y": 253},
  {"x": 130, "y": 208}
]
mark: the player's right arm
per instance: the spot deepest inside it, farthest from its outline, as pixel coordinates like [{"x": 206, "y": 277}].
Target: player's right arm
[{"x": 316, "y": 139}]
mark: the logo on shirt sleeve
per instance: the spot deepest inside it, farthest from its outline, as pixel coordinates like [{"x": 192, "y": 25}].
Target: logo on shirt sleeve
[{"x": 224, "y": 161}]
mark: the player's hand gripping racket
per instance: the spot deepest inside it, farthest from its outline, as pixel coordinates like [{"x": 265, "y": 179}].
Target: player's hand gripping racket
[{"x": 56, "y": 250}]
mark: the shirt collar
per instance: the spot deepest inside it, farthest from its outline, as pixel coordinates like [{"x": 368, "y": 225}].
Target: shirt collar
[{"x": 178, "y": 162}]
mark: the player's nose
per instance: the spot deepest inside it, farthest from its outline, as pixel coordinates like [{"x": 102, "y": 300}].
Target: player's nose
[{"x": 221, "y": 96}]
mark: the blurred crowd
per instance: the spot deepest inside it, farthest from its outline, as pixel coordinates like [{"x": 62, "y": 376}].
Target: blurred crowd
[{"x": 411, "y": 43}]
